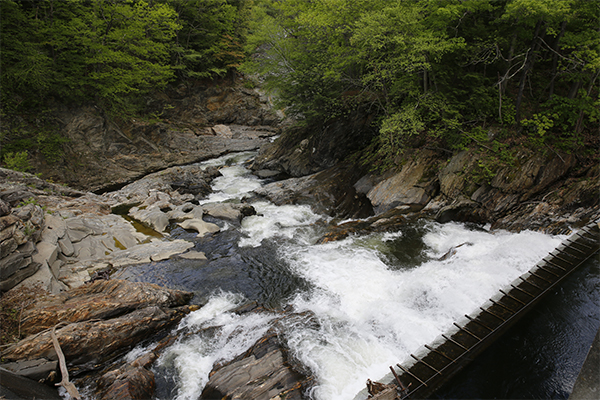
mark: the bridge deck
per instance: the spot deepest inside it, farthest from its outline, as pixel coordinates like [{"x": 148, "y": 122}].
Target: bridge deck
[{"x": 436, "y": 364}]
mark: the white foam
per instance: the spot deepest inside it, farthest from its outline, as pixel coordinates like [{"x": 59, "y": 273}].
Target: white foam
[
  {"x": 271, "y": 221},
  {"x": 373, "y": 317},
  {"x": 234, "y": 183},
  {"x": 193, "y": 357}
]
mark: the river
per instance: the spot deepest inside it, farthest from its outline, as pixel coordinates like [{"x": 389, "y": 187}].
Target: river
[{"x": 378, "y": 298}]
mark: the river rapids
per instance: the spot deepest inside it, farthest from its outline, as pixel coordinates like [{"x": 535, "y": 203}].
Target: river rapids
[{"x": 378, "y": 298}]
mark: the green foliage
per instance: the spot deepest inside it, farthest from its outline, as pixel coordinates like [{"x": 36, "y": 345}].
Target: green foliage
[
  {"x": 50, "y": 146},
  {"x": 17, "y": 161},
  {"x": 396, "y": 128},
  {"x": 211, "y": 39},
  {"x": 485, "y": 170},
  {"x": 434, "y": 66},
  {"x": 538, "y": 126},
  {"x": 85, "y": 49},
  {"x": 109, "y": 52}
]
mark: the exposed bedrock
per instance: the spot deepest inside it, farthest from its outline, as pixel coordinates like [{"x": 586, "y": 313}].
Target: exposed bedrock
[
  {"x": 197, "y": 121},
  {"x": 553, "y": 192},
  {"x": 94, "y": 323}
]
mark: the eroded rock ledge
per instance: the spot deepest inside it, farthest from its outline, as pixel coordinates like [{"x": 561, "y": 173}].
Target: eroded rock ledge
[
  {"x": 549, "y": 193},
  {"x": 97, "y": 321}
]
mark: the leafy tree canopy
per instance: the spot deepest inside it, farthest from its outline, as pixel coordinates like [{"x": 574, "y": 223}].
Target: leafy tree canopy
[{"x": 434, "y": 67}]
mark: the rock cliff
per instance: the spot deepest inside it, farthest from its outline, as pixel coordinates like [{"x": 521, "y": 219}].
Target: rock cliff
[
  {"x": 103, "y": 152},
  {"x": 544, "y": 191}
]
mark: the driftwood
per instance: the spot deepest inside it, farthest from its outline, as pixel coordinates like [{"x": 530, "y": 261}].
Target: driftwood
[
  {"x": 452, "y": 251},
  {"x": 70, "y": 387}
]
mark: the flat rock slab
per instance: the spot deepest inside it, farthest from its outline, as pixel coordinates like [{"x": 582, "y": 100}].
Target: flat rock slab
[{"x": 14, "y": 386}]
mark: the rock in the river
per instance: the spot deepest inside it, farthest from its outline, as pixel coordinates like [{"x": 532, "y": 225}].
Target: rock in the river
[
  {"x": 102, "y": 318},
  {"x": 15, "y": 386},
  {"x": 228, "y": 211},
  {"x": 262, "y": 373},
  {"x": 329, "y": 192},
  {"x": 199, "y": 226},
  {"x": 133, "y": 381}
]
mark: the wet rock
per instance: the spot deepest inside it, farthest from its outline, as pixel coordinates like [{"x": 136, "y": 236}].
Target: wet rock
[
  {"x": 131, "y": 382},
  {"x": 329, "y": 192},
  {"x": 229, "y": 211},
  {"x": 267, "y": 173},
  {"x": 462, "y": 210},
  {"x": 194, "y": 255},
  {"x": 203, "y": 228},
  {"x": 390, "y": 221},
  {"x": 39, "y": 369},
  {"x": 263, "y": 372},
  {"x": 15, "y": 386}
]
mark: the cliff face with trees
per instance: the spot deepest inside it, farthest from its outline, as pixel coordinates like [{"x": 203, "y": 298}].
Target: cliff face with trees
[
  {"x": 502, "y": 77},
  {"x": 442, "y": 70},
  {"x": 114, "y": 56}
]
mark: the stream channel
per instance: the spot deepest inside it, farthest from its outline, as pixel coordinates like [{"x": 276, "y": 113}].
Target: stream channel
[{"x": 378, "y": 298}]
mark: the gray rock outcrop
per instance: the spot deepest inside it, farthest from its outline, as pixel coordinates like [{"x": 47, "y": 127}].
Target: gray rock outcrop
[
  {"x": 20, "y": 229},
  {"x": 104, "y": 153}
]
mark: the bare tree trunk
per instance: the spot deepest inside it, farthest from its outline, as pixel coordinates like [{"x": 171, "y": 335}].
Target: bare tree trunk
[
  {"x": 574, "y": 89},
  {"x": 579, "y": 124},
  {"x": 563, "y": 27},
  {"x": 511, "y": 54},
  {"x": 530, "y": 60}
]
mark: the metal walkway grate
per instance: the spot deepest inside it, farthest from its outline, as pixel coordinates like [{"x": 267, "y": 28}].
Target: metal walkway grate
[{"x": 459, "y": 347}]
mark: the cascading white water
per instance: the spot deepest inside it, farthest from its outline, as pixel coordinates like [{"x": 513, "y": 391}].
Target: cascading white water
[{"x": 372, "y": 312}]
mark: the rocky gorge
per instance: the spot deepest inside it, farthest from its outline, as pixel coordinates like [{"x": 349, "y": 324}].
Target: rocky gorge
[{"x": 135, "y": 181}]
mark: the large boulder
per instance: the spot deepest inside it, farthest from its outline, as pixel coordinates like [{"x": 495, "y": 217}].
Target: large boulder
[
  {"x": 414, "y": 185},
  {"x": 330, "y": 191},
  {"x": 266, "y": 371}
]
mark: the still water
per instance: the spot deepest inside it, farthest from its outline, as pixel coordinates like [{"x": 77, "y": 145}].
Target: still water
[{"x": 378, "y": 298}]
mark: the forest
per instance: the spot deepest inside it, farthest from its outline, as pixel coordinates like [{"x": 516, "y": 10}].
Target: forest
[{"x": 449, "y": 73}]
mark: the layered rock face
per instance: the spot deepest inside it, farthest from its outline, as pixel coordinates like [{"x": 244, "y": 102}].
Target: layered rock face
[
  {"x": 551, "y": 193},
  {"x": 265, "y": 371},
  {"x": 93, "y": 324},
  {"x": 304, "y": 151},
  {"x": 104, "y": 153},
  {"x": 20, "y": 229}
]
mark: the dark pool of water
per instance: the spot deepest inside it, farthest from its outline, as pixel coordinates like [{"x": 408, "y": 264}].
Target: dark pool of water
[
  {"x": 255, "y": 272},
  {"x": 540, "y": 357}
]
